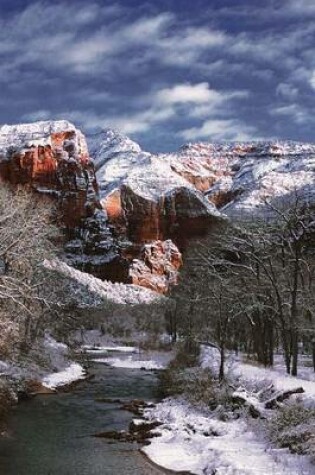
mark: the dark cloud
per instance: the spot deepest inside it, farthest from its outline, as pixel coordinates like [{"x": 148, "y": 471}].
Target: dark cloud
[{"x": 162, "y": 71}]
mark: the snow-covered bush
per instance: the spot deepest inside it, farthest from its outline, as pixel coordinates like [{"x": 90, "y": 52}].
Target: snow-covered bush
[
  {"x": 27, "y": 236},
  {"x": 187, "y": 355},
  {"x": 198, "y": 385},
  {"x": 293, "y": 427}
]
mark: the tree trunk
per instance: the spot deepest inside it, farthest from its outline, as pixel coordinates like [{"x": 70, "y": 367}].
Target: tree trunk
[
  {"x": 222, "y": 362},
  {"x": 294, "y": 311},
  {"x": 271, "y": 342},
  {"x": 295, "y": 352},
  {"x": 286, "y": 350}
]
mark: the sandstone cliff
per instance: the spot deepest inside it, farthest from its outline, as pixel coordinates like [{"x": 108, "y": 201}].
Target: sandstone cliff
[
  {"x": 53, "y": 158},
  {"x": 128, "y": 213},
  {"x": 240, "y": 179}
]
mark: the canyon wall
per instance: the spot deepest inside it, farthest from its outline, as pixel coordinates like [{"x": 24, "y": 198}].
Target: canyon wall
[{"x": 128, "y": 215}]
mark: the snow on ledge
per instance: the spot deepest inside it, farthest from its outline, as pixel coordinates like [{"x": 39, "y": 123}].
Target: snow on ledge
[
  {"x": 106, "y": 349},
  {"x": 130, "y": 363},
  {"x": 115, "y": 292},
  {"x": 73, "y": 372}
]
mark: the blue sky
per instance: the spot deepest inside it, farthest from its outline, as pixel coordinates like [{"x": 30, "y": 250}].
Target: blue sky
[{"x": 163, "y": 72}]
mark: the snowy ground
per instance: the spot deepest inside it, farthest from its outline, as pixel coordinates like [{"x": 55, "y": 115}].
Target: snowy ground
[
  {"x": 132, "y": 363},
  {"x": 48, "y": 355},
  {"x": 245, "y": 372},
  {"x": 71, "y": 373},
  {"x": 107, "y": 349},
  {"x": 122, "y": 353},
  {"x": 49, "y": 363},
  {"x": 131, "y": 357},
  {"x": 197, "y": 441}
]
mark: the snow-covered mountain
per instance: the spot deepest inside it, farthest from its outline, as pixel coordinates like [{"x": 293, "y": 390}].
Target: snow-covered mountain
[
  {"x": 52, "y": 157},
  {"x": 145, "y": 191},
  {"x": 43, "y": 133},
  {"x": 241, "y": 179},
  {"x": 105, "y": 145},
  {"x": 130, "y": 210}
]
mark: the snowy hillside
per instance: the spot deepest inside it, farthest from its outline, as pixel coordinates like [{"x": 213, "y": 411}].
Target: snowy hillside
[
  {"x": 237, "y": 177},
  {"x": 93, "y": 291},
  {"x": 37, "y": 134}
]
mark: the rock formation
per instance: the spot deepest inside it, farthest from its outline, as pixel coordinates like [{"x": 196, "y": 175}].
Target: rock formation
[
  {"x": 158, "y": 267},
  {"x": 53, "y": 158},
  {"x": 128, "y": 212},
  {"x": 92, "y": 291},
  {"x": 145, "y": 195},
  {"x": 173, "y": 196},
  {"x": 239, "y": 179}
]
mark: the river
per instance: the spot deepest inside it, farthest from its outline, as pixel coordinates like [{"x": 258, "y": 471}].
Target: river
[{"x": 52, "y": 435}]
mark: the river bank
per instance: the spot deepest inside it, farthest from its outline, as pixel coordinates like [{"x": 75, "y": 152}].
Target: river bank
[
  {"x": 55, "y": 434},
  {"x": 188, "y": 437},
  {"x": 254, "y": 423}
]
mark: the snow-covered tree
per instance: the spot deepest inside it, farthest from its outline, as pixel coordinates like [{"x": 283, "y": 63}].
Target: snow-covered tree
[{"x": 27, "y": 236}]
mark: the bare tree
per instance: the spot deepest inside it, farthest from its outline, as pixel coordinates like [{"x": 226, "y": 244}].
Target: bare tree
[
  {"x": 279, "y": 261},
  {"x": 253, "y": 285},
  {"x": 27, "y": 236}
]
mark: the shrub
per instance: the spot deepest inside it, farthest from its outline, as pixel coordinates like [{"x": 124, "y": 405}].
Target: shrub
[{"x": 294, "y": 427}]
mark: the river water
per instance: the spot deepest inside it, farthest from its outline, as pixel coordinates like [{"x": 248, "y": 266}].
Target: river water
[{"x": 52, "y": 435}]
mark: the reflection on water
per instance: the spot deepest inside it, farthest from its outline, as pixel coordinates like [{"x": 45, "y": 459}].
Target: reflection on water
[{"x": 52, "y": 434}]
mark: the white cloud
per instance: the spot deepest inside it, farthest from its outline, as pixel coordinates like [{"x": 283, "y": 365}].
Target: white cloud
[
  {"x": 146, "y": 28},
  {"x": 288, "y": 91},
  {"x": 187, "y": 45},
  {"x": 295, "y": 112},
  {"x": 270, "y": 47},
  {"x": 188, "y": 93},
  {"x": 300, "y": 7},
  {"x": 113, "y": 42},
  {"x": 312, "y": 80},
  {"x": 142, "y": 121},
  {"x": 218, "y": 130},
  {"x": 200, "y": 100},
  {"x": 189, "y": 100},
  {"x": 129, "y": 124},
  {"x": 87, "y": 44},
  {"x": 92, "y": 40},
  {"x": 88, "y": 39},
  {"x": 192, "y": 101}
]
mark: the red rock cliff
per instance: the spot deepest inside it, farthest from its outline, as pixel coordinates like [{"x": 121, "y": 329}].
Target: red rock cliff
[{"x": 52, "y": 157}]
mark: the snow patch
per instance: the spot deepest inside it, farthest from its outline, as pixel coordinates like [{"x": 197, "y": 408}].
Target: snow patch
[
  {"x": 107, "y": 349},
  {"x": 73, "y": 372},
  {"x": 195, "y": 441},
  {"x": 130, "y": 363},
  {"x": 115, "y": 292},
  {"x": 209, "y": 358}
]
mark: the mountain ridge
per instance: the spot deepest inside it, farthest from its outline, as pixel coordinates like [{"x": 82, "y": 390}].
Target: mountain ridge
[{"x": 131, "y": 212}]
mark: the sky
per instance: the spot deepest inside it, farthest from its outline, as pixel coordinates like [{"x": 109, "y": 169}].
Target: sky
[{"x": 164, "y": 72}]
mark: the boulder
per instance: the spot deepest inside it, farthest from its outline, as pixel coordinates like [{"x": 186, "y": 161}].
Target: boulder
[{"x": 158, "y": 267}]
